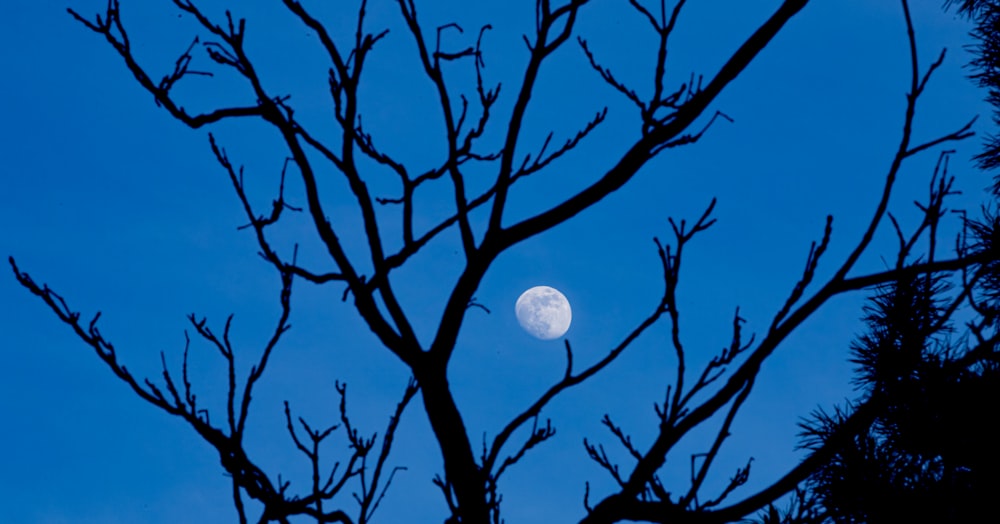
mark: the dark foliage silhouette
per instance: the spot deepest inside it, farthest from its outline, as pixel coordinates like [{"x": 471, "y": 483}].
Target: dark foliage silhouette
[
  {"x": 930, "y": 455},
  {"x": 929, "y": 386},
  {"x": 671, "y": 114},
  {"x": 986, "y": 65}
]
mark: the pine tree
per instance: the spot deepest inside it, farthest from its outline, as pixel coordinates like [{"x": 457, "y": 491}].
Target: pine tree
[{"x": 931, "y": 454}]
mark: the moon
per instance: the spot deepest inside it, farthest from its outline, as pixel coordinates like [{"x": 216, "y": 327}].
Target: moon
[{"x": 543, "y": 312}]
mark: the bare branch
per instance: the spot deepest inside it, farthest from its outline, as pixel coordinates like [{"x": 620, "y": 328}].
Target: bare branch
[
  {"x": 642, "y": 150},
  {"x": 110, "y": 26}
]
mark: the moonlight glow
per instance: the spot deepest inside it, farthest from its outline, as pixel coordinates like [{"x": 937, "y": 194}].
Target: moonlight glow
[{"x": 543, "y": 312}]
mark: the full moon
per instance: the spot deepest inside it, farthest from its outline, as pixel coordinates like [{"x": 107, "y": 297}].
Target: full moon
[{"x": 543, "y": 312}]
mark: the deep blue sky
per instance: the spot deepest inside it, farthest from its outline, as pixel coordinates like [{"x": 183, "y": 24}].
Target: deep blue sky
[{"x": 124, "y": 210}]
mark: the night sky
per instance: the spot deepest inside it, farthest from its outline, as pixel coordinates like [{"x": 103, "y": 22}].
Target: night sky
[{"x": 122, "y": 209}]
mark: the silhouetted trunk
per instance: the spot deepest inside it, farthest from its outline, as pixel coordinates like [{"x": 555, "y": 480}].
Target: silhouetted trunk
[{"x": 463, "y": 474}]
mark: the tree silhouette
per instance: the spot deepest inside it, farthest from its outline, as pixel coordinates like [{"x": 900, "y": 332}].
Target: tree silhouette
[
  {"x": 670, "y": 116},
  {"x": 929, "y": 452},
  {"x": 986, "y": 15},
  {"x": 929, "y": 455}
]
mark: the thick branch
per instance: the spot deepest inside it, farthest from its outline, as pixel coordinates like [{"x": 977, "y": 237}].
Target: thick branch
[{"x": 641, "y": 152}]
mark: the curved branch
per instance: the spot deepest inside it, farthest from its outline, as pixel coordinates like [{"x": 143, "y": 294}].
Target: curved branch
[{"x": 642, "y": 151}]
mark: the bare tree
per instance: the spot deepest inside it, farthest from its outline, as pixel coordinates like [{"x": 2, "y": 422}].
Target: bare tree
[{"x": 670, "y": 116}]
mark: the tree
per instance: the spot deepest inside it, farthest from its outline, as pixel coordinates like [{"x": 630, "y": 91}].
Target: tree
[
  {"x": 986, "y": 14},
  {"x": 480, "y": 218},
  {"x": 929, "y": 456},
  {"x": 928, "y": 453}
]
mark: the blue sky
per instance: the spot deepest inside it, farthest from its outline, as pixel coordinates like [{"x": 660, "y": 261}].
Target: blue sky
[{"x": 124, "y": 210}]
